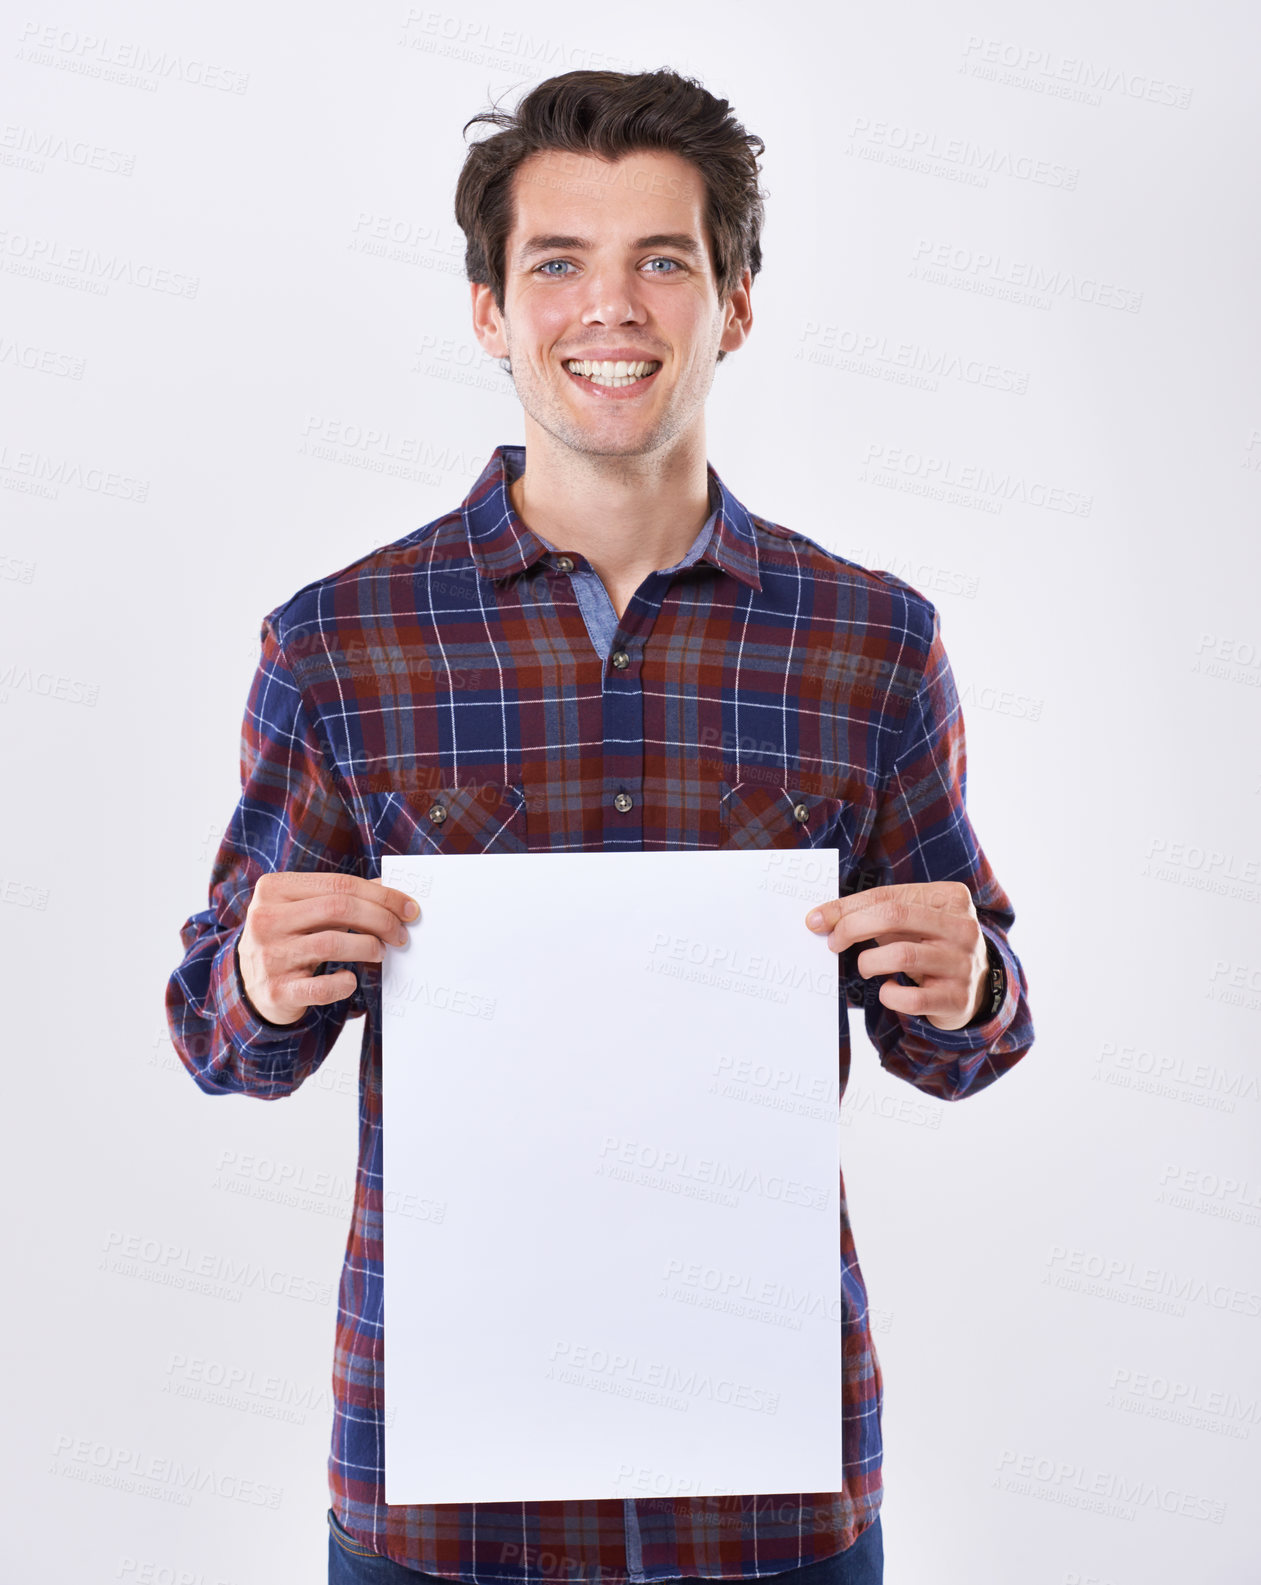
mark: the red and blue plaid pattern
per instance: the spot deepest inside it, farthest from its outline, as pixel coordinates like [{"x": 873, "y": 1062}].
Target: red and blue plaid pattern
[{"x": 442, "y": 694}]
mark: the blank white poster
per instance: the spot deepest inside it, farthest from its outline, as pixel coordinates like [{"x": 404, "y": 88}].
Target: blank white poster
[{"x": 611, "y": 1177}]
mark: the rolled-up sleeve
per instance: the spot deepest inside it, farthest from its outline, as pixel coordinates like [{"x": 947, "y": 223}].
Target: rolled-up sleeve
[
  {"x": 290, "y": 816},
  {"x": 922, "y": 832}
]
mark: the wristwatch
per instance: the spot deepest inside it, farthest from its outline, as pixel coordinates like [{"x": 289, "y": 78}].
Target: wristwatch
[{"x": 997, "y": 985}]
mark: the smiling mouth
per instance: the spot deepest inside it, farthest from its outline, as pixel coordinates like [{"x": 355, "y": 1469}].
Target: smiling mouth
[{"x": 613, "y": 375}]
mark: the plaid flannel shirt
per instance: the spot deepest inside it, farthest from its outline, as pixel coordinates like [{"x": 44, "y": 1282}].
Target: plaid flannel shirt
[{"x": 454, "y": 692}]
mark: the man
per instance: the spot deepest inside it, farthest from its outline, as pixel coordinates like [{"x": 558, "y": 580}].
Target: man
[{"x": 601, "y": 648}]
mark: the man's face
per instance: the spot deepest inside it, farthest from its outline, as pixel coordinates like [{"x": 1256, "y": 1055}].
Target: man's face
[{"x": 608, "y": 261}]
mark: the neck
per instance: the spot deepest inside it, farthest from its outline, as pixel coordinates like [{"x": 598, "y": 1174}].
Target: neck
[{"x": 628, "y": 516}]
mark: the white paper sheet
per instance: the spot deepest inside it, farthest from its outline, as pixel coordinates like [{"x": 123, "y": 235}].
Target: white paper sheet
[{"x": 611, "y": 1156}]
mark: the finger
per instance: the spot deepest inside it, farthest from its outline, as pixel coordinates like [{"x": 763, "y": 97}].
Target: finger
[
  {"x": 286, "y": 1002},
  {"x": 835, "y": 944},
  {"x": 306, "y": 952},
  {"x": 333, "y": 911},
  {"x": 939, "y": 1001},
  {"x": 917, "y": 1000},
  {"x": 399, "y": 903},
  {"x": 850, "y": 919},
  {"x": 919, "y": 960},
  {"x": 317, "y": 990},
  {"x": 291, "y": 885},
  {"x": 869, "y": 896}
]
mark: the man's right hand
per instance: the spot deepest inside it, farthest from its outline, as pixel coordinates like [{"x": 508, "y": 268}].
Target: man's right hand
[{"x": 298, "y": 919}]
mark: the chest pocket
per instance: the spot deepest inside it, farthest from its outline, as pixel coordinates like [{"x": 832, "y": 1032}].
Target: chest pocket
[
  {"x": 758, "y": 815},
  {"x": 479, "y": 817}
]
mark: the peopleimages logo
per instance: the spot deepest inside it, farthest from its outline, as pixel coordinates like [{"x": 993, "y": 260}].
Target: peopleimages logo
[
  {"x": 997, "y": 485},
  {"x": 23, "y": 254},
  {"x": 701, "y": 1177},
  {"x": 1174, "y": 1077},
  {"x": 217, "y": 1276},
  {"x": 1150, "y": 1287},
  {"x": 168, "y": 1479},
  {"x": 975, "y": 269},
  {"x": 1077, "y": 1486},
  {"x": 627, "y": 1375},
  {"x": 733, "y": 964},
  {"x": 904, "y": 362},
  {"x": 125, "y": 61},
  {"x": 1216, "y": 1410},
  {"x": 921, "y": 147},
  {"x": 1065, "y": 76}
]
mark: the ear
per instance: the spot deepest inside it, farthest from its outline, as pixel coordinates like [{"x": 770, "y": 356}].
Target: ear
[
  {"x": 738, "y": 314},
  {"x": 488, "y": 325}
]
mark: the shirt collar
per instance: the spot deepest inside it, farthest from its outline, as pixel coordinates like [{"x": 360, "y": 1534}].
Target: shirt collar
[{"x": 502, "y": 544}]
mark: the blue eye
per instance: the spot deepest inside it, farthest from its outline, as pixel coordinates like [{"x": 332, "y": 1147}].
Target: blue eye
[{"x": 546, "y": 267}]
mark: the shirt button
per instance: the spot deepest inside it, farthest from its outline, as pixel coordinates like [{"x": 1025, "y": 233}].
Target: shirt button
[
  {"x": 801, "y": 813},
  {"x": 620, "y": 659},
  {"x": 623, "y": 802},
  {"x": 437, "y": 814},
  {"x": 564, "y": 564}
]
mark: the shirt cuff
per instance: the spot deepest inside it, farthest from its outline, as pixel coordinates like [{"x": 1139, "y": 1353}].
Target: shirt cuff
[{"x": 246, "y": 1028}]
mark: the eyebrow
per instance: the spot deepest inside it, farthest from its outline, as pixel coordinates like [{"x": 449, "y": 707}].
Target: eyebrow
[{"x": 682, "y": 240}]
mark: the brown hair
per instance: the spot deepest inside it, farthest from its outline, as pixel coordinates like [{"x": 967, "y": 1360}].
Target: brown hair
[{"x": 607, "y": 115}]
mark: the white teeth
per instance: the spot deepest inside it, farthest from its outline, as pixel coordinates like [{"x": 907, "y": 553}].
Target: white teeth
[{"x": 612, "y": 373}]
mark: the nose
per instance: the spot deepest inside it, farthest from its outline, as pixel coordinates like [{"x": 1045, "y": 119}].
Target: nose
[{"x": 612, "y": 300}]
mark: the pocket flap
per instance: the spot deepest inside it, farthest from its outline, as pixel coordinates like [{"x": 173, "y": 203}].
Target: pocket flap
[
  {"x": 761, "y": 815},
  {"x": 476, "y": 817}
]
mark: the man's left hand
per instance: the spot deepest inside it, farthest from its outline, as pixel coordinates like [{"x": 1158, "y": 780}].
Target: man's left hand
[{"x": 930, "y": 931}]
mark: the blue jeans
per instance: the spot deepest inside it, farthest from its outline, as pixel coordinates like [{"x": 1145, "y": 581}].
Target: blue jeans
[{"x": 351, "y": 1563}]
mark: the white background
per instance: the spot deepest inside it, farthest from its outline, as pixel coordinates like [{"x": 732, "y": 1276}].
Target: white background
[{"x": 1109, "y": 666}]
